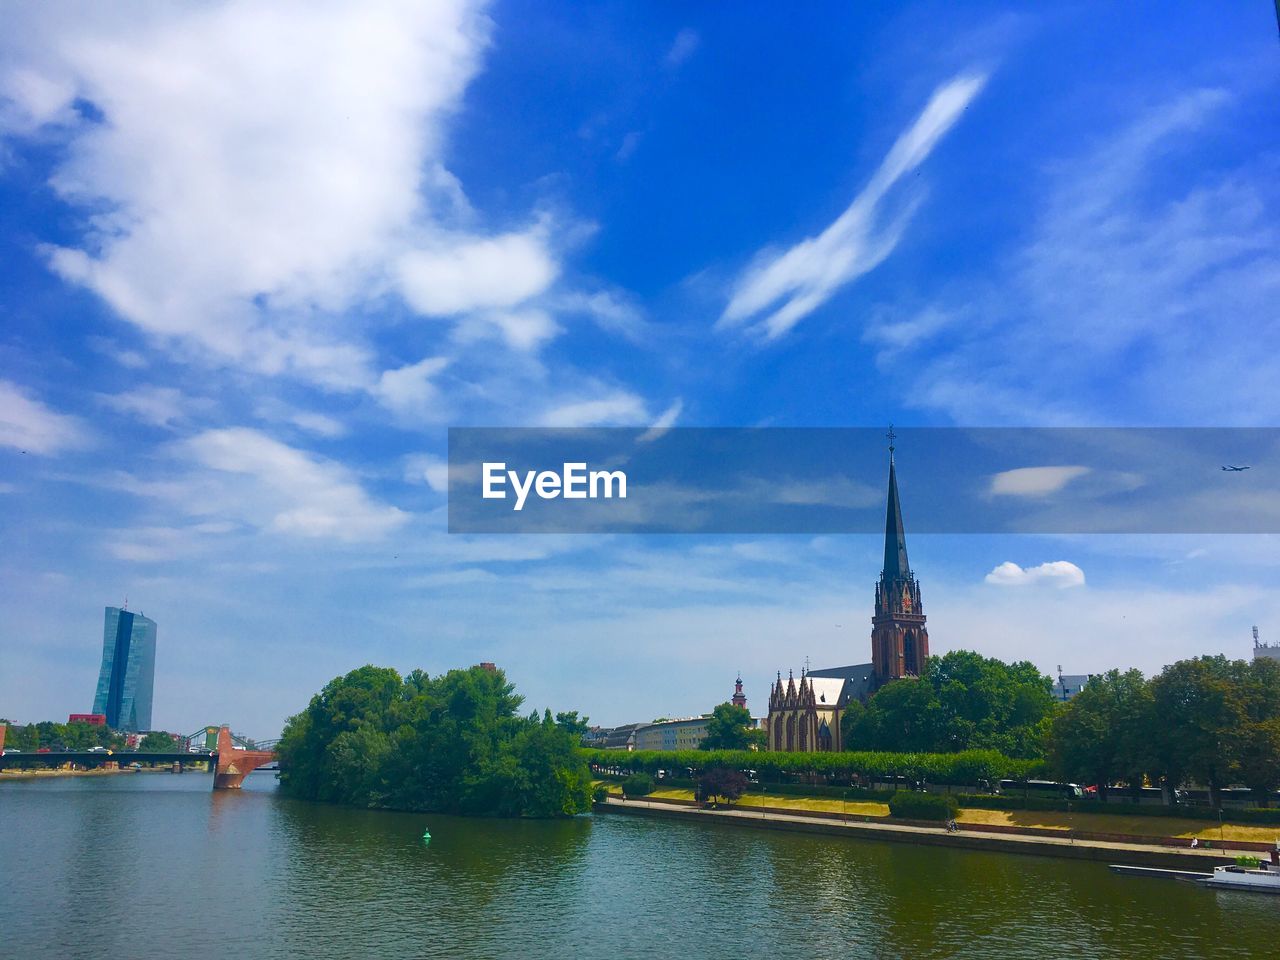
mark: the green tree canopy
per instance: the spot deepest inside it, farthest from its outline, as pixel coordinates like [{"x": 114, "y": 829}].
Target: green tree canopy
[
  {"x": 1102, "y": 735},
  {"x": 965, "y": 701},
  {"x": 454, "y": 743},
  {"x": 730, "y": 728},
  {"x": 158, "y": 742}
]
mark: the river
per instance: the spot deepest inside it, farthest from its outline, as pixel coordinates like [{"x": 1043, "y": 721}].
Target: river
[{"x": 159, "y": 866}]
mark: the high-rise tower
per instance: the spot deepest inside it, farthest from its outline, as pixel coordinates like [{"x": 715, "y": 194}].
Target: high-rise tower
[
  {"x": 126, "y": 679},
  {"x": 899, "y": 640}
]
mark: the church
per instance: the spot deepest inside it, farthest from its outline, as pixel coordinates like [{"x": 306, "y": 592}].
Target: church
[{"x": 805, "y": 715}]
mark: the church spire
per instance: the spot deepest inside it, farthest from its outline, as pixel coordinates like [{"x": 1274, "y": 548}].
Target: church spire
[
  {"x": 899, "y": 640},
  {"x": 895, "y": 538}
]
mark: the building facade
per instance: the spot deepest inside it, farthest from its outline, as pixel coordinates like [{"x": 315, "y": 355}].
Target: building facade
[
  {"x": 126, "y": 679},
  {"x": 684, "y": 734},
  {"x": 1262, "y": 650},
  {"x": 1069, "y": 684},
  {"x": 805, "y": 716}
]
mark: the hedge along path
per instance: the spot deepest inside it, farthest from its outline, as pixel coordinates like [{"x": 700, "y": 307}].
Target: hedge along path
[{"x": 965, "y": 767}]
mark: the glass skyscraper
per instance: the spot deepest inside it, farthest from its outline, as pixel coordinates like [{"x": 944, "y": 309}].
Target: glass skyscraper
[{"x": 127, "y": 677}]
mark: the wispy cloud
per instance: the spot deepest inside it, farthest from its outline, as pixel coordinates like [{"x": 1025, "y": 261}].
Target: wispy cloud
[
  {"x": 665, "y": 422},
  {"x": 263, "y": 482},
  {"x": 683, "y": 47},
  {"x": 157, "y": 406},
  {"x": 1146, "y": 290},
  {"x": 618, "y": 408},
  {"x": 786, "y": 287},
  {"x": 411, "y": 389},
  {"x": 1034, "y": 481},
  {"x": 28, "y": 425}
]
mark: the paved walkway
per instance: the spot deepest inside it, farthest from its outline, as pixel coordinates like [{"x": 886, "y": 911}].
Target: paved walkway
[{"x": 965, "y": 838}]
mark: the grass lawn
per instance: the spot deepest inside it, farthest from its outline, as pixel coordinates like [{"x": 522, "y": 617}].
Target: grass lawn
[
  {"x": 1120, "y": 823},
  {"x": 1089, "y": 822}
]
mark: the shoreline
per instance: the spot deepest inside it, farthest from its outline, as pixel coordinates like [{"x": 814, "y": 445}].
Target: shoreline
[
  {"x": 19, "y": 774},
  {"x": 968, "y": 838}
]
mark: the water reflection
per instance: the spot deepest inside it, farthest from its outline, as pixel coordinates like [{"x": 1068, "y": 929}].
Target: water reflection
[{"x": 157, "y": 865}]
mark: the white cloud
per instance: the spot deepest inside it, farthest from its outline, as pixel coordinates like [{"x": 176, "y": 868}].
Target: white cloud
[
  {"x": 158, "y": 406},
  {"x": 130, "y": 359},
  {"x": 259, "y": 168},
  {"x": 27, "y": 424},
  {"x": 524, "y": 329},
  {"x": 259, "y": 183},
  {"x": 281, "y": 489},
  {"x": 619, "y": 408},
  {"x": 807, "y": 275},
  {"x": 1034, "y": 481},
  {"x": 319, "y": 424},
  {"x": 409, "y": 390},
  {"x": 462, "y": 275},
  {"x": 611, "y": 312},
  {"x": 1059, "y": 573},
  {"x": 425, "y": 468}
]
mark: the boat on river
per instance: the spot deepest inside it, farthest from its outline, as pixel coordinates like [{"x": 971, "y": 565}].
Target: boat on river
[{"x": 1262, "y": 879}]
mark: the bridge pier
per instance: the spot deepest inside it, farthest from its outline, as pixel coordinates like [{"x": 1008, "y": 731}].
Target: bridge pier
[{"x": 234, "y": 763}]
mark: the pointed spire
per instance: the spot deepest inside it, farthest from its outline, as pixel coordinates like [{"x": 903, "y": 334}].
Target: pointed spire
[{"x": 895, "y": 538}]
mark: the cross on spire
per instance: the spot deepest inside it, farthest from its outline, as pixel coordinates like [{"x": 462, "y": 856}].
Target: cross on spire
[{"x": 891, "y": 436}]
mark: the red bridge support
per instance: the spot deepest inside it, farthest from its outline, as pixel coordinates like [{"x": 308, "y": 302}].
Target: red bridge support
[{"x": 234, "y": 763}]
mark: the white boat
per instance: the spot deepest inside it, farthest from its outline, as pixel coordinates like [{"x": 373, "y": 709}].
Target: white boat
[{"x": 1263, "y": 879}]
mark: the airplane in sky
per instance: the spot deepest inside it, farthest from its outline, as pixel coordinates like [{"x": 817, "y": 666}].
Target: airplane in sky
[{"x": 1232, "y": 469}]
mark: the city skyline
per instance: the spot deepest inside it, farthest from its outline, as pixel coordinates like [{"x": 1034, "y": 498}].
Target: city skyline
[{"x": 241, "y": 310}]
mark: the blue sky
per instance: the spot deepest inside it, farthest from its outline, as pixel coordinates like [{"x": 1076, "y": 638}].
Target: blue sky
[{"x": 257, "y": 259}]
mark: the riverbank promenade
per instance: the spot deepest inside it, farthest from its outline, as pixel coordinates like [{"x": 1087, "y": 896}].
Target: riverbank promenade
[{"x": 968, "y": 837}]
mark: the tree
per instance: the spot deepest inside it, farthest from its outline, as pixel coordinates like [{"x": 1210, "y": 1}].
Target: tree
[
  {"x": 1256, "y": 745},
  {"x": 454, "y": 743},
  {"x": 1259, "y": 758},
  {"x": 157, "y": 742},
  {"x": 851, "y": 725},
  {"x": 724, "y": 782},
  {"x": 575, "y": 725},
  {"x": 1100, "y": 736},
  {"x": 963, "y": 702},
  {"x": 730, "y": 728},
  {"x": 903, "y": 716},
  {"x": 985, "y": 703},
  {"x": 1200, "y": 709}
]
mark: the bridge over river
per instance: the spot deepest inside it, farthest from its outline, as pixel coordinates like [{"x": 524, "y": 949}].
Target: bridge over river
[{"x": 231, "y": 759}]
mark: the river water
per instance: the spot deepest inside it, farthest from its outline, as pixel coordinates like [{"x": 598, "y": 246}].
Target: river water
[{"x": 159, "y": 866}]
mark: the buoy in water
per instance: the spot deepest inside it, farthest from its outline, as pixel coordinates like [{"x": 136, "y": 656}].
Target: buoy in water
[{"x": 426, "y": 836}]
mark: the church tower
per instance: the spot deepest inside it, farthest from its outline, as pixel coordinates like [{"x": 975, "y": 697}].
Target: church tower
[
  {"x": 899, "y": 640},
  {"x": 739, "y": 698}
]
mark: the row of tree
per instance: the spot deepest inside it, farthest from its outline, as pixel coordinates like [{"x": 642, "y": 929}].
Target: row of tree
[
  {"x": 78, "y": 737},
  {"x": 1209, "y": 721},
  {"x": 456, "y": 743}
]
